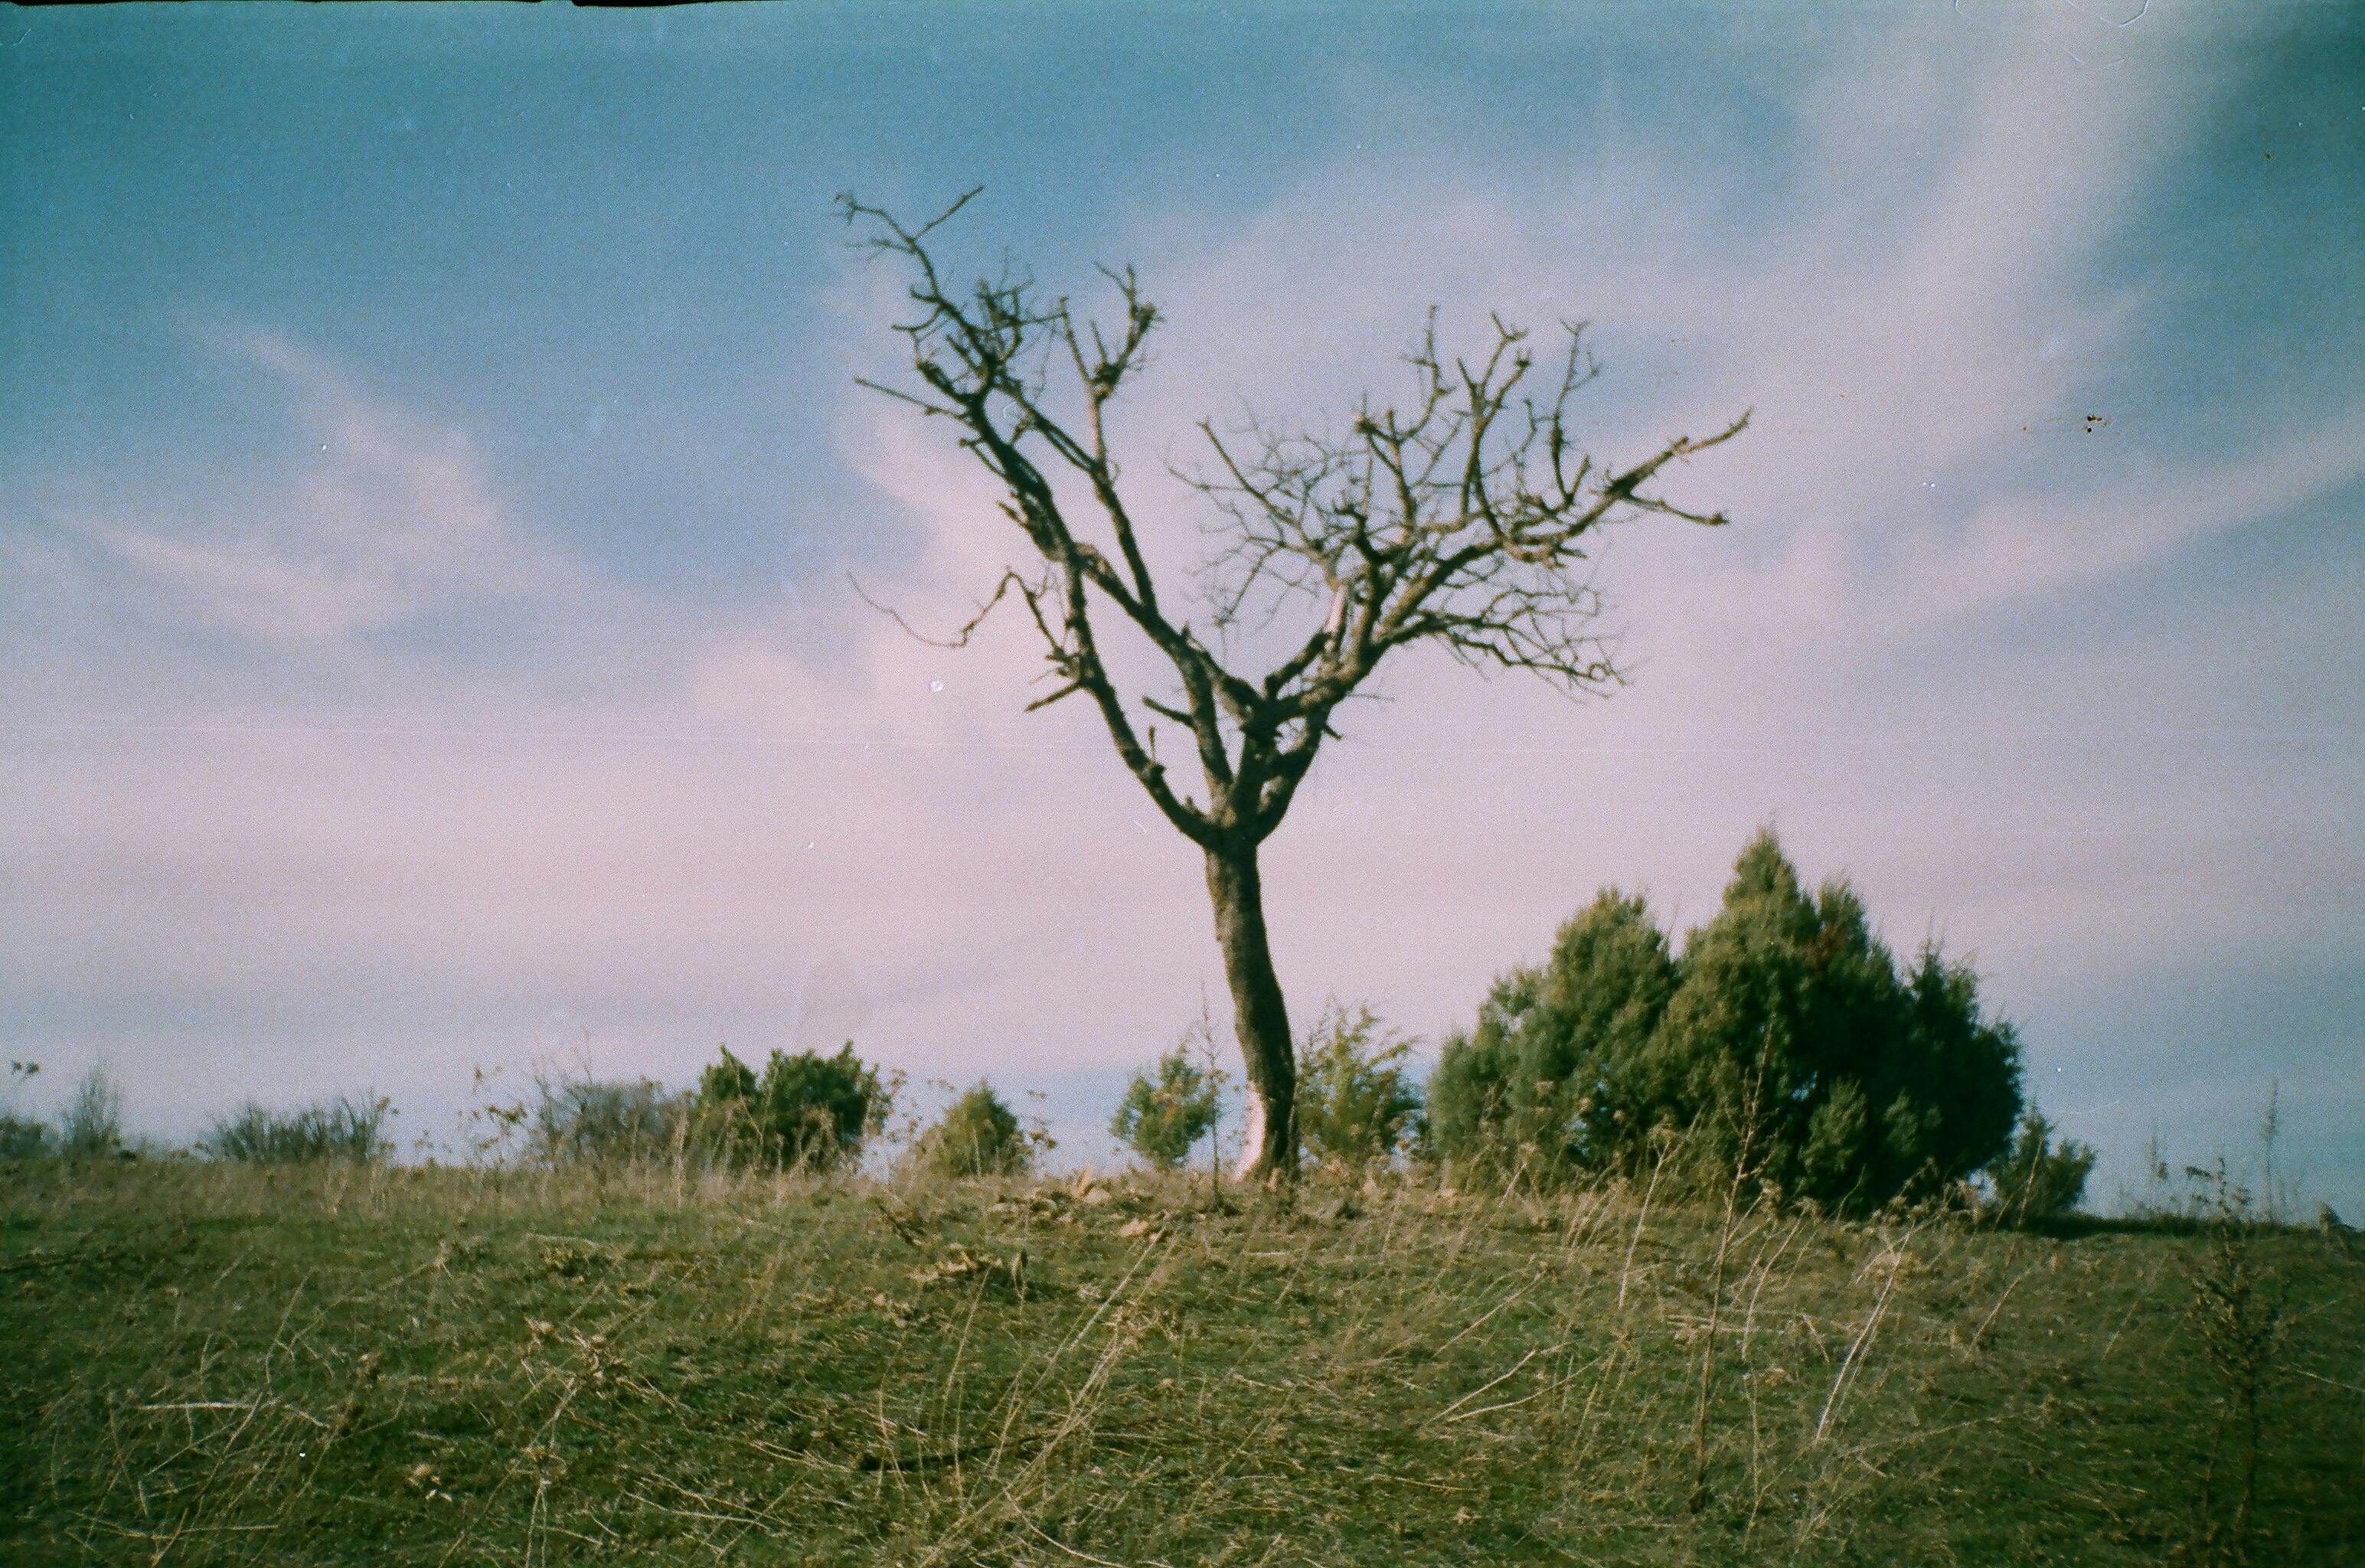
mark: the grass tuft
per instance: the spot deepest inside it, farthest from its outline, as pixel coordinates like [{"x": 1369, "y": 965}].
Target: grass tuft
[{"x": 339, "y": 1129}]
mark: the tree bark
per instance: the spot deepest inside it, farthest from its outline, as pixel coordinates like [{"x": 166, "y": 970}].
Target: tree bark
[{"x": 1260, "y": 1016}]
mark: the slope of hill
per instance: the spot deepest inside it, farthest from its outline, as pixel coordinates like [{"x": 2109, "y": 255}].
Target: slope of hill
[{"x": 207, "y": 1365}]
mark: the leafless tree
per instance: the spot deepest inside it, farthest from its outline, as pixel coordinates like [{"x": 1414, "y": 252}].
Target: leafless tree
[{"x": 1462, "y": 518}]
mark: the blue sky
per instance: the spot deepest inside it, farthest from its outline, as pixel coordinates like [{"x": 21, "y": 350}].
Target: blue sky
[{"x": 432, "y": 466}]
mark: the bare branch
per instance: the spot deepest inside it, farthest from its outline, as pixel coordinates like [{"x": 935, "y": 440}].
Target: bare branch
[
  {"x": 958, "y": 639},
  {"x": 1462, "y": 516},
  {"x": 1163, "y": 712}
]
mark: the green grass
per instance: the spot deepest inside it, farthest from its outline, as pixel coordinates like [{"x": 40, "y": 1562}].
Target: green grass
[{"x": 205, "y": 1363}]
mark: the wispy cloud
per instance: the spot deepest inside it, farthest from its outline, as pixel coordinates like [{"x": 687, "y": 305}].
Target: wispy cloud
[
  {"x": 385, "y": 517},
  {"x": 2035, "y": 542},
  {"x": 1921, "y": 320}
]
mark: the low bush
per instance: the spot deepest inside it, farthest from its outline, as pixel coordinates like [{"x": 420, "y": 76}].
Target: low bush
[
  {"x": 805, "y": 1111},
  {"x": 1356, "y": 1101},
  {"x": 979, "y": 1135},
  {"x": 2038, "y": 1179},
  {"x": 626, "y": 1121},
  {"x": 23, "y": 1137},
  {"x": 1161, "y": 1117},
  {"x": 92, "y": 1124},
  {"x": 339, "y": 1129}
]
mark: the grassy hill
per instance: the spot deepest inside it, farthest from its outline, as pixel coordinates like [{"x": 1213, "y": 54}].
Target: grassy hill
[{"x": 202, "y": 1363}]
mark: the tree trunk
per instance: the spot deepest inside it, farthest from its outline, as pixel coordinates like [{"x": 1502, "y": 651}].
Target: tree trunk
[{"x": 1259, "y": 1015}]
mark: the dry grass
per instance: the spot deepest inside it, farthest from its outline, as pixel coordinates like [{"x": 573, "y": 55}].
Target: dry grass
[{"x": 212, "y": 1365}]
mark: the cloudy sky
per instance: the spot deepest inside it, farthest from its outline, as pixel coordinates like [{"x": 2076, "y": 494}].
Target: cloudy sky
[{"x": 431, "y": 470}]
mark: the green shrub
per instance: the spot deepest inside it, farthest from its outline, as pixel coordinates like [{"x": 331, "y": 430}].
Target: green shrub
[
  {"x": 1546, "y": 1080},
  {"x": 805, "y": 1111},
  {"x": 1791, "y": 1027},
  {"x": 1784, "y": 1027},
  {"x": 1160, "y": 1118},
  {"x": 339, "y": 1129},
  {"x": 23, "y": 1137},
  {"x": 979, "y": 1135},
  {"x": 1469, "y": 1100},
  {"x": 1969, "y": 1067},
  {"x": 2037, "y": 1179},
  {"x": 1355, "y": 1101}
]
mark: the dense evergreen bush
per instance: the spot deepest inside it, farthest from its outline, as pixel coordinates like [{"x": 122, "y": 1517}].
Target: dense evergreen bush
[
  {"x": 1785, "y": 1031},
  {"x": 1547, "y": 1080},
  {"x": 1969, "y": 1064},
  {"x": 807, "y": 1110}
]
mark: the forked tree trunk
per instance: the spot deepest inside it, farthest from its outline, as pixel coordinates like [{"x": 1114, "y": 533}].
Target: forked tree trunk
[{"x": 1259, "y": 1015}]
